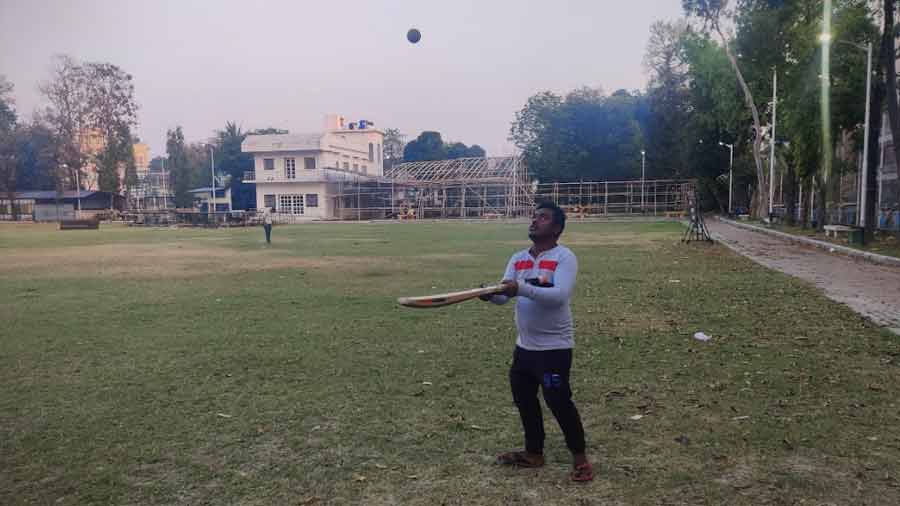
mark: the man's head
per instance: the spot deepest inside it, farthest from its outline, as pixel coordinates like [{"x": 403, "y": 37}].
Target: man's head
[{"x": 548, "y": 222}]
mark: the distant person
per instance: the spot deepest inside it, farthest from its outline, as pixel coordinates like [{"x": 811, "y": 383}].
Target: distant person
[
  {"x": 542, "y": 280},
  {"x": 267, "y": 223}
]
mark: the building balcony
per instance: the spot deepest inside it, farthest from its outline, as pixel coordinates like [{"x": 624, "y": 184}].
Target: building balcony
[{"x": 303, "y": 176}]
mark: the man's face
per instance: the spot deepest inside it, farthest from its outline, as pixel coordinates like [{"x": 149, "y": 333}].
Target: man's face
[{"x": 542, "y": 226}]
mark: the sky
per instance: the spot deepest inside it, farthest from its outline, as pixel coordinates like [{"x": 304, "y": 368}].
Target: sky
[{"x": 287, "y": 64}]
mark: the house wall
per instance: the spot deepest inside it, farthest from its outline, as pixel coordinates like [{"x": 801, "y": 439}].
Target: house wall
[
  {"x": 323, "y": 192},
  {"x": 351, "y": 147}
]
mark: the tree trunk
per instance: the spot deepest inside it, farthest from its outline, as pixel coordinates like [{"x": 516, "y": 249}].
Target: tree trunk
[
  {"x": 821, "y": 190},
  {"x": 887, "y": 55},
  {"x": 875, "y": 113},
  {"x": 761, "y": 189},
  {"x": 790, "y": 194},
  {"x": 807, "y": 192}
]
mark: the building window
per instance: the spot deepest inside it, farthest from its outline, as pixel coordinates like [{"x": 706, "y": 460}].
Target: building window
[
  {"x": 371, "y": 152},
  {"x": 379, "y": 153},
  {"x": 365, "y": 169},
  {"x": 355, "y": 167},
  {"x": 346, "y": 165},
  {"x": 290, "y": 204},
  {"x": 290, "y": 168},
  {"x": 269, "y": 163},
  {"x": 312, "y": 200},
  {"x": 309, "y": 163},
  {"x": 269, "y": 201}
]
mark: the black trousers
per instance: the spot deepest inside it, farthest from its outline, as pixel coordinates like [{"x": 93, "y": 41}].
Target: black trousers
[
  {"x": 268, "y": 228},
  {"x": 548, "y": 370}
]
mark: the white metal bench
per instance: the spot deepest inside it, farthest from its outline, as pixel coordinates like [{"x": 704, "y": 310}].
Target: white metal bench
[{"x": 834, "y": 230}]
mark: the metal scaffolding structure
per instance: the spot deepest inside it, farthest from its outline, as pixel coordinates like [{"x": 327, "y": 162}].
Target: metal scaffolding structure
[
  {"x": 601, "y": 198},
  {"x": 498, "y": 187},
  {"x": 494, "y": 187}
]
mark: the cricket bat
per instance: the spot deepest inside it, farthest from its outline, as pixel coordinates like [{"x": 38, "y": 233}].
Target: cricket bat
[{"x": 446, "y": 299}]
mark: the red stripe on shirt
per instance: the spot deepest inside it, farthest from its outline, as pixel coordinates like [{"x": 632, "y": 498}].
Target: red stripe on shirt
[
  {"x": 549, "y": 265},
  {"x": 521, "y": 265}
]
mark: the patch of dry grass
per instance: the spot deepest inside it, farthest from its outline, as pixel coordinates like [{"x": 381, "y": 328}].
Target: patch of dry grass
[{"x": 209, "y": 379}]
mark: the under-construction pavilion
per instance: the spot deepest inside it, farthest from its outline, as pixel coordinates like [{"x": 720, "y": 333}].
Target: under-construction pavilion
[{"x": 497, "y": 187}]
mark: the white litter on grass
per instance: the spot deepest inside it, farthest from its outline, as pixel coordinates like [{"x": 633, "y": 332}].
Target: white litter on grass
[
  {"x": 674, "y": 281},
  {"x": 831, "y": 250},
  {"x": 223, "y": 415},
  {"x": 700, "y": 336},
  {"x": 428, "y": 383},
  {"x": 636, "y": 417}
]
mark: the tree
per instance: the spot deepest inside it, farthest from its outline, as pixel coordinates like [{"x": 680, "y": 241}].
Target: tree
[
  {"x": 268, "y": 131},
  {"x": 476, "y": 151},
  {"x": 91, "y": 99},
  {"x": 116, "y": 152},
  {"x": 586, "y": 135},
  {"x": 668, "y": 95},
  {"x": 68, "y": 92},
  {"x": 8, "y": 143},
  {"x": 179, "y": 169},
  {"x": 888, "y": 62},
  {"x": 112, "y": 111},
  {"x": 427, "y": 146},
  {"x": 36, "y": 152},
  {"x": 711, "y": 12},
  {"x": 233, "y": 162},
  {"x": 460, "y": 150},
  {"x": 393, "y": 147},
  {"x": 7, "y": 106},
  {"x": 716, "y": 114}
]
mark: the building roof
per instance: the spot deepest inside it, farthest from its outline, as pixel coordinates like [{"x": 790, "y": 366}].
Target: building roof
[
  {"x": 204, "y": 189},
  {"x": 282, "y": 142},
  {"x": 507, "y": 168},
  {"x": 51, "y": 194}
]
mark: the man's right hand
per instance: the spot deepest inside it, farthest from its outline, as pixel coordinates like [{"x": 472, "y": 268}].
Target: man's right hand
[{"x": 511, "y": 287}]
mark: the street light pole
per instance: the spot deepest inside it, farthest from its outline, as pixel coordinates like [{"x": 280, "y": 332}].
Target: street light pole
[
  {"x": 77, "y": 190},
  {"x": 861, "y": 212},
  {"x": 212, "y": 188},
  {"x": 825, "y": 39},
  {"x": 730, "y": 172},
  {"x": 643, "y": 172},
  {"x": 772, "y": 151}
]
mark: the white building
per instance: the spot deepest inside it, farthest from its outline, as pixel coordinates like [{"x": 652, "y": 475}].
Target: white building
[{"x": 298, "y": 174}]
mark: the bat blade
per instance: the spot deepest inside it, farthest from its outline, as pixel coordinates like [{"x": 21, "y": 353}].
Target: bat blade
[{"x": 446, "y": 299}]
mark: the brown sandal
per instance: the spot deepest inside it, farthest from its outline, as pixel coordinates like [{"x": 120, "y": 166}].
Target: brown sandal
[
  {"x": 520, "y": 459},
  {"x": 582, "y": 472}
]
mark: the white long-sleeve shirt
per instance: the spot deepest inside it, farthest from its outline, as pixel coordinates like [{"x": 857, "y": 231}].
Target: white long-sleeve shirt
[{"x": 543, "y": 315}]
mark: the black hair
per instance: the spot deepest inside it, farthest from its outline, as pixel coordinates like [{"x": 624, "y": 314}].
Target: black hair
[{"x": 559, "y": 216}]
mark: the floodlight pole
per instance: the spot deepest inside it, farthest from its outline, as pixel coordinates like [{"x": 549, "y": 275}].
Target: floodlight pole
[
  {"x": 212, "y": 188},
  {"x": 730, "y": 172},
  {"x": 643, "y": 172}
]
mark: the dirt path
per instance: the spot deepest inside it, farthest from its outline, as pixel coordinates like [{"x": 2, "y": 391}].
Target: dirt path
[{"x": 870, "y": 290}]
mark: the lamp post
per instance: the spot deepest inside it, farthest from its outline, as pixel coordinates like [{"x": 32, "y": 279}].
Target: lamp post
[
  {"x": 772, "y": 147},
  {"x": 212, "y": 188},
  {"x": 730, "y": 172},
  {"x": 77, "y": 189},
  {"x": 643, "y": 172},
  {"x": 825, "y": 39}
]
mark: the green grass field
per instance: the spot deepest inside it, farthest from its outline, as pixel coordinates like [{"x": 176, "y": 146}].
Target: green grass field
[{"x": 158, "y": 366}]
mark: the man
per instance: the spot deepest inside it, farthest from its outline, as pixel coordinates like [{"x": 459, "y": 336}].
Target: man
[
  {"x": 543, "y": 279},
  {"x": 267, "y": 223}
]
